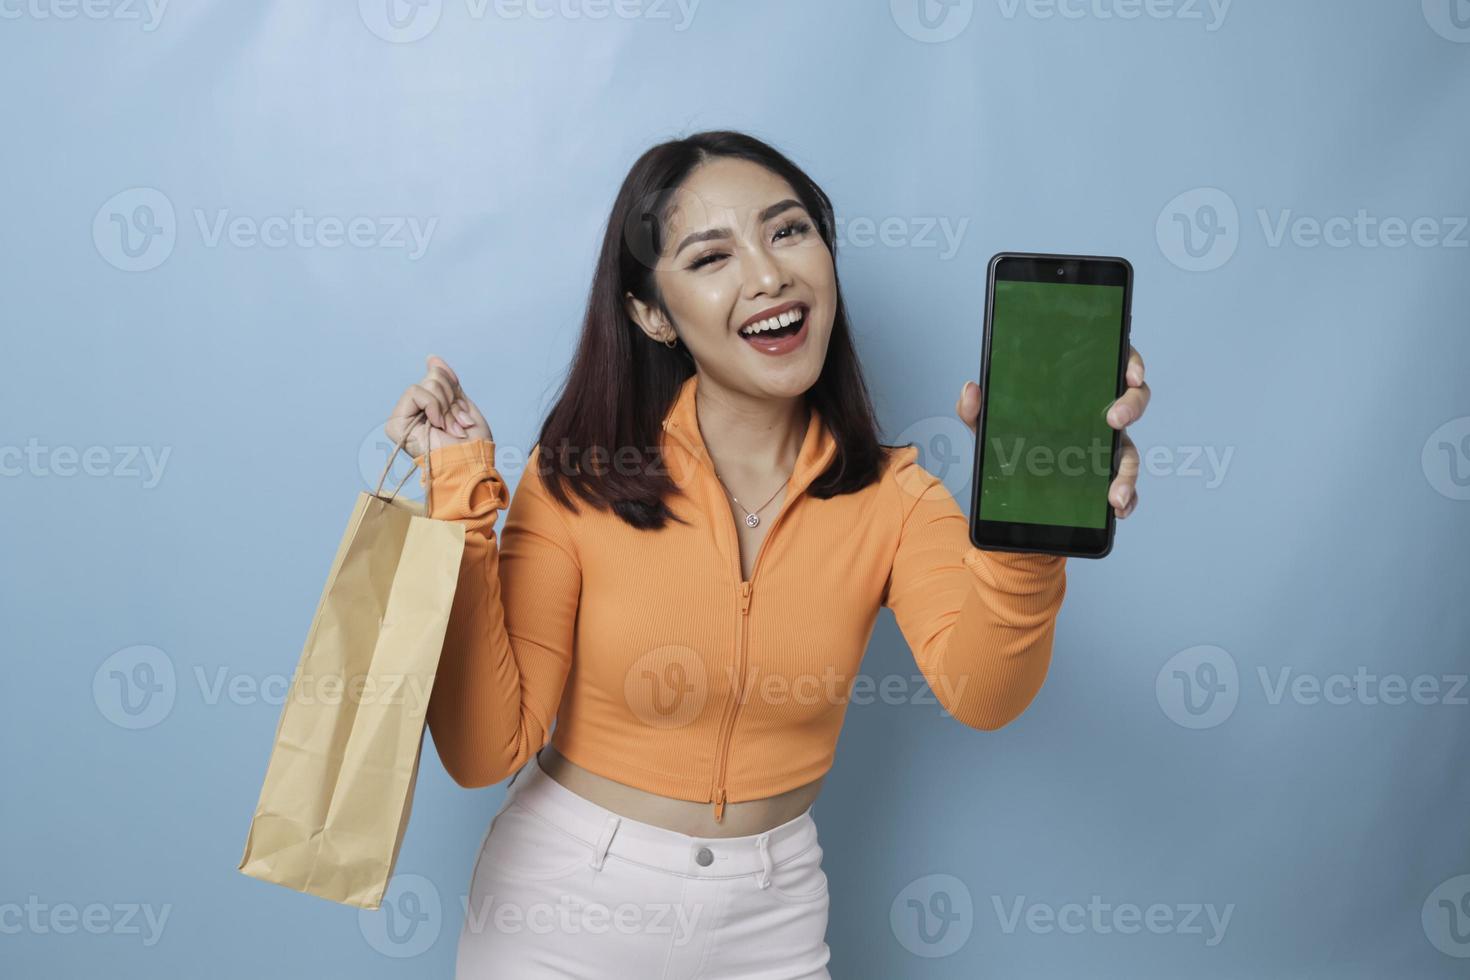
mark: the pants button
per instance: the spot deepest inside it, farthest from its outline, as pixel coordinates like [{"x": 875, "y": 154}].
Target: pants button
[{"x": 705, "y": 857}]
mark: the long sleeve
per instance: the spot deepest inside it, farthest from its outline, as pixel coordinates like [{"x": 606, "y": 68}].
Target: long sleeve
[
  {"x": 508, "y": 647},
  {"x": 979, "y": 623}
]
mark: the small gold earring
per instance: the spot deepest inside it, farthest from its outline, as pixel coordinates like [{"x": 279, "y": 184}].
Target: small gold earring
[{"x": 672, "y": 342}]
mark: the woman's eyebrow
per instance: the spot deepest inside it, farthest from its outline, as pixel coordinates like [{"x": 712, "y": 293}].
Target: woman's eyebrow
[{"x": 709, "y": 233}]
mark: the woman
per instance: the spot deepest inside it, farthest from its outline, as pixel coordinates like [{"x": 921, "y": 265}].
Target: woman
[{"x": 687, "y": 579}]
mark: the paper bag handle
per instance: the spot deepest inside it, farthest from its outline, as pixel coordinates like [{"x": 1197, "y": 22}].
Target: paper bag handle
[{"x": 428, "y": 471}]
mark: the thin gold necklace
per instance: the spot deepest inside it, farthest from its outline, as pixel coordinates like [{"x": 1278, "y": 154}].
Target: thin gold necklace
[{"x": 751, "y": 518}]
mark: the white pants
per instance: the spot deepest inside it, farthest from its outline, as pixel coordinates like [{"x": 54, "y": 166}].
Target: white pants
[{"x": 565, "y": 888}]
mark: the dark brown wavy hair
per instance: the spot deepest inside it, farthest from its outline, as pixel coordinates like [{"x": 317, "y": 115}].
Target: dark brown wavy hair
[{"x": 621, "y": 383}]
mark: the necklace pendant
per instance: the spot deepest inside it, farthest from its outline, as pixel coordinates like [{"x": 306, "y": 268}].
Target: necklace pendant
[{"x": 751, "y": 520}]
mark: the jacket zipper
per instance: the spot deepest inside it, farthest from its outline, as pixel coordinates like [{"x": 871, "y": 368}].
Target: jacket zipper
[
  {"x": 723, "y": 757},
  {"x": 727, "y": 717},
  {"x": 717, "y": 797}
]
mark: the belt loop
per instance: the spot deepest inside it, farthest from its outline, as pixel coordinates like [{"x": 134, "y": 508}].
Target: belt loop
[
  {"x": 764, "y": 878},
  {"x": 599, "y": 850}
]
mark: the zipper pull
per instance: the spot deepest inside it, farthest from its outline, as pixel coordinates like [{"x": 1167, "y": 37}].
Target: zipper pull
[
  {"x": 719, "y": 805},
  {"x": 744, "y": 598}
]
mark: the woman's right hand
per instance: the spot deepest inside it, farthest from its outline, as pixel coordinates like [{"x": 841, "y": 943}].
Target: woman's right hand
[{"x": 452, "y": 417}]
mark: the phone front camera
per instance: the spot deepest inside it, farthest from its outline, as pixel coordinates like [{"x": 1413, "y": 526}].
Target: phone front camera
[{"x": 1061, "y": 271}]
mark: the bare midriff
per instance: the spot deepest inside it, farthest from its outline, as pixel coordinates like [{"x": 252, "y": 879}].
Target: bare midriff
[{"x": 741, "y": 817}]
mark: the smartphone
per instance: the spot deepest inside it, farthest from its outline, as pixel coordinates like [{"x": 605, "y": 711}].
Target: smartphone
[{"x": 1054, "y": 353}]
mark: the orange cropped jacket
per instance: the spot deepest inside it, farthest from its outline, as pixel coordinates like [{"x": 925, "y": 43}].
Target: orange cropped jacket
[{"x": 666, "y": 671}]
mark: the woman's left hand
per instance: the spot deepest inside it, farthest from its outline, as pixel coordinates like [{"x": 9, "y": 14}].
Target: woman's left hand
[{"x": 1129, "y": 408}]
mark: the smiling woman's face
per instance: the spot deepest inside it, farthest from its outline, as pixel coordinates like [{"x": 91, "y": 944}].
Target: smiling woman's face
[{"x": 738, "y": 248}]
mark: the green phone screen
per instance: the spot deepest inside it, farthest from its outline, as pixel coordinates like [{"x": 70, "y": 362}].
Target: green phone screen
[{"x": 1053, "y": 376}]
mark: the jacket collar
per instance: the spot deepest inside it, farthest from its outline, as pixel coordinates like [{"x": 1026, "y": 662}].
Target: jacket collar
[{"x": 681, "y": 426}]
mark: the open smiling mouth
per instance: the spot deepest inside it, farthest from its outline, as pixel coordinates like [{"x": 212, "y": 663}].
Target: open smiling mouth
[{"x": 778, "y": 334}]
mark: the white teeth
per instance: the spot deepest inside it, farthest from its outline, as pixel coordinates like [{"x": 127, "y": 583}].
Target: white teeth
[{"x": 775, "y": 322}]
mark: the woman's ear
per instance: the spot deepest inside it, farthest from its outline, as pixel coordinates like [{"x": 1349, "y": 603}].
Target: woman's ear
[{"x": 649, "y": 320}]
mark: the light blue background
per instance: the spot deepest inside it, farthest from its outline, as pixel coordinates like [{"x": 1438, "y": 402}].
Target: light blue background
[{"x": 1333, "y": 541}]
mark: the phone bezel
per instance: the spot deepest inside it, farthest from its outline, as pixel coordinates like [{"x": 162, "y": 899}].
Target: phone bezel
[{"x": 1053, "y": 539}]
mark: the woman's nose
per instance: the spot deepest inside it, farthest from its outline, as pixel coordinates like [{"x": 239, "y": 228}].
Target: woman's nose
[{"x": 763, "y": 273}]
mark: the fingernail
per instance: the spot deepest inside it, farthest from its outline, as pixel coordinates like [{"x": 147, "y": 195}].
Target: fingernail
[{"x": 1124, "y": 496}]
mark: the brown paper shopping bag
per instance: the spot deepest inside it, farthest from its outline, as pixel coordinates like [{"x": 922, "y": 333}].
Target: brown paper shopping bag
[{"x": 339, "y": 785}]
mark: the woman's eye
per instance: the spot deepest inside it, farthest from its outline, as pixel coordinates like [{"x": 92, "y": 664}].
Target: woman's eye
[{"x": 798, "y": 226}]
